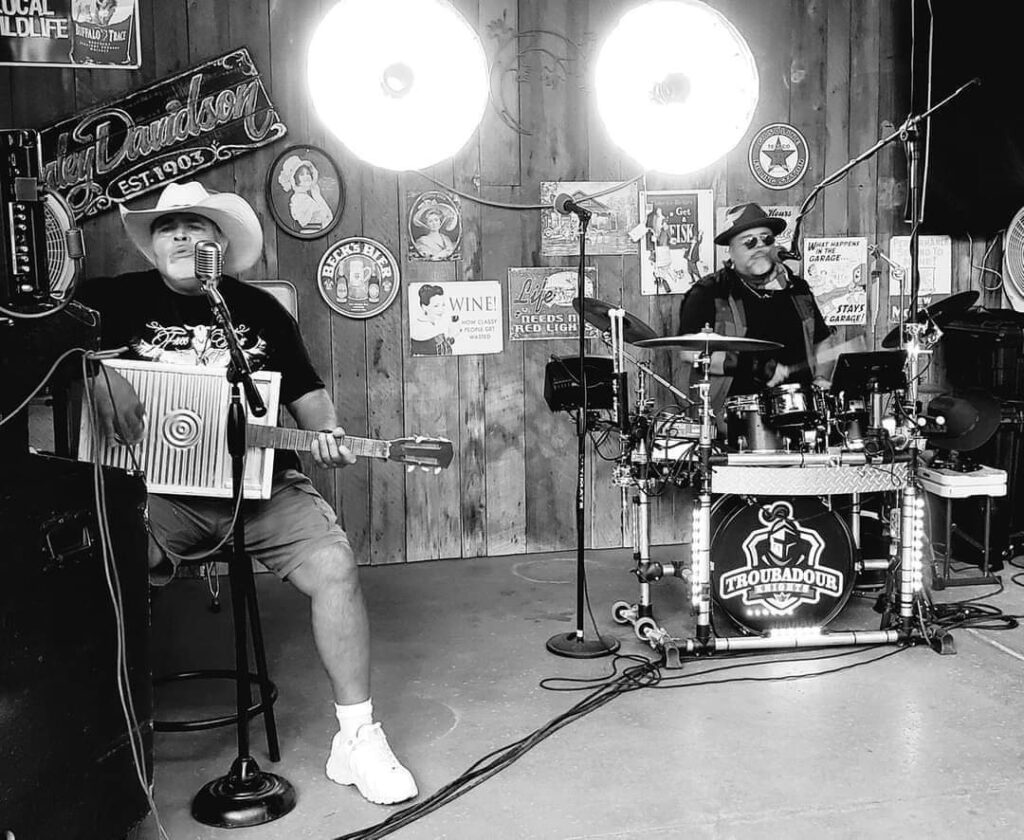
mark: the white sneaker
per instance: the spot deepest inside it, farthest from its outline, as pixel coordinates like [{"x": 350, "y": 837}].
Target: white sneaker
[{"x": 367, "y": 762}]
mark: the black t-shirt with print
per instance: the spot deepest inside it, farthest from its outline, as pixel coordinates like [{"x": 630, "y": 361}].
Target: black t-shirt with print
[{"x": 139, "y": 311}]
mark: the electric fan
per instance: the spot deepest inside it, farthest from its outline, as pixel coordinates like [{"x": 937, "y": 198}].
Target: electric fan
[
  {"x": 1013, "y": 262},
  {"x": 59, "y": 259}
]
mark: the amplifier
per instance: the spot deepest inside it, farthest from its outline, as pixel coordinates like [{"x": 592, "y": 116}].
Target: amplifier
[
  {"x": 982, "y": 349},
  {"x": 562, "y": 390},
  {"x": 66, "y": 765},
  {"x": 24, "y": 277}
]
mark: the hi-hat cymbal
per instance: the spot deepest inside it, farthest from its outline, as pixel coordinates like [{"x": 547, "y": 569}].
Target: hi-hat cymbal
[
  {"x": 596, "y": 312},
  {"x": 710, "y": 342},
  {"x": 941, "y": 313}
]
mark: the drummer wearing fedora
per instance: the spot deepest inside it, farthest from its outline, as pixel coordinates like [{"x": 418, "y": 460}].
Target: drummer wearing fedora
[
  {"x": 755, "y": 295},
  {"x": 163, "y": 315}
]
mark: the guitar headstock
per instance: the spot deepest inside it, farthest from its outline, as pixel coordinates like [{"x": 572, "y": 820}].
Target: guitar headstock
[{"x": 425, "y": 452}]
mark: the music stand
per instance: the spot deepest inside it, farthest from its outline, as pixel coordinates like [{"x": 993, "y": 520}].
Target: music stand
[{"x": 862, "y": 373}]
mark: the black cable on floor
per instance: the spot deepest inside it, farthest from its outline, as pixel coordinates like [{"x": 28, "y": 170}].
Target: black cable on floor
[{"x": 645, "y": 673}]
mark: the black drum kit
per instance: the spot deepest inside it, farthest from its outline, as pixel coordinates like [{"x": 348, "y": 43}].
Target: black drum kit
[{"x": 778, "y": 483}]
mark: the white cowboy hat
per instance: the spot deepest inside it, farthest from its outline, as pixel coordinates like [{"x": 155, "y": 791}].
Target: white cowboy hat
[{"x": 231, "y": 213}]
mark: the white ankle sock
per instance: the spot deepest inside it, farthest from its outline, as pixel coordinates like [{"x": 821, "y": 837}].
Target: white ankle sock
[{"x": 351, "y": 717}]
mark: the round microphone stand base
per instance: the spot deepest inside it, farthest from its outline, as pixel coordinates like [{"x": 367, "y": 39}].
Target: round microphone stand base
[
  {"x": 574, "y": 647},
  {"x": 246, "y": 796}
]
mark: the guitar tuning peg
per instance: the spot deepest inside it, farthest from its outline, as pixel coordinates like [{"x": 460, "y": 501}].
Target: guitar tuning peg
[
  {"x": 410, "y": 468},
  {"x": 437, "y": 470},
  {"x": 425, "y": 469}
]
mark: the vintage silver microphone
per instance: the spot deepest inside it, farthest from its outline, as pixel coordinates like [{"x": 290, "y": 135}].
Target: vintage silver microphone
[
  {"x": 209, "y": 259},
  {"x": 209, "y": 267}
]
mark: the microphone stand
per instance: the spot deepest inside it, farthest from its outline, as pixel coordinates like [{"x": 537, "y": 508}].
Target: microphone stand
[
  {"x": 246, "y": 795},
  {"x": 576, "y": 645},
  {"x": 902, "y": 133},
  {"x": 906, "y": 529}
]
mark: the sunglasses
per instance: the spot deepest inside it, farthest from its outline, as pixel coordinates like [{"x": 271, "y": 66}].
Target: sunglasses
[{"x": 751, "y": 241}]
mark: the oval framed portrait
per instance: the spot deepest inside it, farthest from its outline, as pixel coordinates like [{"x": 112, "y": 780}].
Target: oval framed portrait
[
  {"x": 435, "y": 227},
  {"x": 305, "y": 192}
]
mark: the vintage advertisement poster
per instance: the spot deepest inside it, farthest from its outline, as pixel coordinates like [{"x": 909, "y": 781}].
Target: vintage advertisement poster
[
  {"x": 678, "y": 247},
  {"x": 934, "y": 267},
  {"x": 434, "y": 226},
  {"x": 781, "y": 211},
  {"x": 613, "y": 216},
  {"x": 169, "y": 131},
  {"x": 462, "y": 318},
  {"x": 70, "y": 33},
  {"x": 358, "y": 277},
  {"x": 540, "y": 303},
  {"x": 836, "y": 269}
]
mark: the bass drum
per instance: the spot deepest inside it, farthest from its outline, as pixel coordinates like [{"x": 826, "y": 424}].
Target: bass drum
[{"x": 779, "y": 563}]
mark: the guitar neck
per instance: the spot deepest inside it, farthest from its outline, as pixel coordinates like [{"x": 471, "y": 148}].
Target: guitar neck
[{"x": 278, "y": 437}]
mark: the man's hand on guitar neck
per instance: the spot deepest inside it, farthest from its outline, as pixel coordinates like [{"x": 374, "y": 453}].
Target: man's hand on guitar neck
[
  {"x": 120, "y": 413},
  {"x": 315, "y": 410},
  {"x": 328, "y": 451}
]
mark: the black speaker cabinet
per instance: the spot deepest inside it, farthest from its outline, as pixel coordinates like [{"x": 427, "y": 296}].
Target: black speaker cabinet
[{"x": 66, "y": 766}]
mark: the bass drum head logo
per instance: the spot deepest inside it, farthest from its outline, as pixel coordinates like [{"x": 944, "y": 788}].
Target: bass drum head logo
[
  {"x": 778, "y": 156},
  {"x": 358, "y": 277},
  {"x": 780, "y": 563}
]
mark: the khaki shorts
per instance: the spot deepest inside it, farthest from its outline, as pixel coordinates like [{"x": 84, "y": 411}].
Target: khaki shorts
[{"x": 280, "y": 532}]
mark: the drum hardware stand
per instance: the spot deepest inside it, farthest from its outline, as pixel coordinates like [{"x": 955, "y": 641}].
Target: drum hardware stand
[
  {"x": 637, "y": 460},
  {"x": 907, "y": 532},
  {"x": 246, "y": 795},
  {"x": 575, "y": 645}
]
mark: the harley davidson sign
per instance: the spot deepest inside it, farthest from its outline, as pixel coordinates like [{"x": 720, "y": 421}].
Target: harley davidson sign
[{"x": 166, "y": 132}]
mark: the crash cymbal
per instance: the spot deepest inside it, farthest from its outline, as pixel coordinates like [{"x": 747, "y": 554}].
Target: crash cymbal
[
  {"x": 710, "y": 342},
  {"x": 941, "y": 313},
  {"x": 595, "y": 312}
]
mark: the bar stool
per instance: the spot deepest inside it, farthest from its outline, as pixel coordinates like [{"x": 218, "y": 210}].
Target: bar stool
[
  {"x": 285, "y": 294},
  {"x": 260, "y": 678}
]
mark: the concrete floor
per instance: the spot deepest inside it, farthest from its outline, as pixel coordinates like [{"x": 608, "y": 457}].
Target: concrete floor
[{"x": 916, "y": 745}]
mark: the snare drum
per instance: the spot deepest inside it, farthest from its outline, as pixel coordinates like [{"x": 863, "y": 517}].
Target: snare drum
[
  {"x": 746, "y": 420},
  {"x": 779, "y": 562},
  {"x": 791, "y": 405}
]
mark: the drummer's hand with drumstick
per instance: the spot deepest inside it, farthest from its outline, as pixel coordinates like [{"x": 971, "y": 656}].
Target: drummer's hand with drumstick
[{"x": 779, "y": 373}]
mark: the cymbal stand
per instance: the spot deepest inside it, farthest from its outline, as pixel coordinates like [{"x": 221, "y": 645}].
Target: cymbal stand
[
  {"x": 700, "y": 540},
  {"x": 635, "y": 472},
  {"x": 641, "y": 615},
  {"x": 620, "y": 406}
]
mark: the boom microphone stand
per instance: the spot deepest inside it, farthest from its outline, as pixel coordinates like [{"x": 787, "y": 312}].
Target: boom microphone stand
[
  {"x": 907, "y": 512},
  {"x": 246, "y": 795},
  {"x": 575, "y": 644}
]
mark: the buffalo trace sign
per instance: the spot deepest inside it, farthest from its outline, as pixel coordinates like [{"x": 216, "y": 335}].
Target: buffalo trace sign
[{"x": 166, "y": 132}]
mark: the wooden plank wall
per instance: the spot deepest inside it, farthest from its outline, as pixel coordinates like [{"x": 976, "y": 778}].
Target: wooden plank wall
[{"x": 833, "y": 68}]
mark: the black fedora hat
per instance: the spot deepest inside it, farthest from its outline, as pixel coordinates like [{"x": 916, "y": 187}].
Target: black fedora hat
[{"x": 744, "y": 217}]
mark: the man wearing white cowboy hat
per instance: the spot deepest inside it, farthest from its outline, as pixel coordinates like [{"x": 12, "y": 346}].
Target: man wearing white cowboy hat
[
  {"x": 755, "y": 295},
  {"x": 163, "y": 315}
]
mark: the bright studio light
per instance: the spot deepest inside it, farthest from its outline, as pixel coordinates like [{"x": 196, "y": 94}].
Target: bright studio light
[
  {"x": 402, "y": 83},
  {"x": 676, "y": 85}
]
